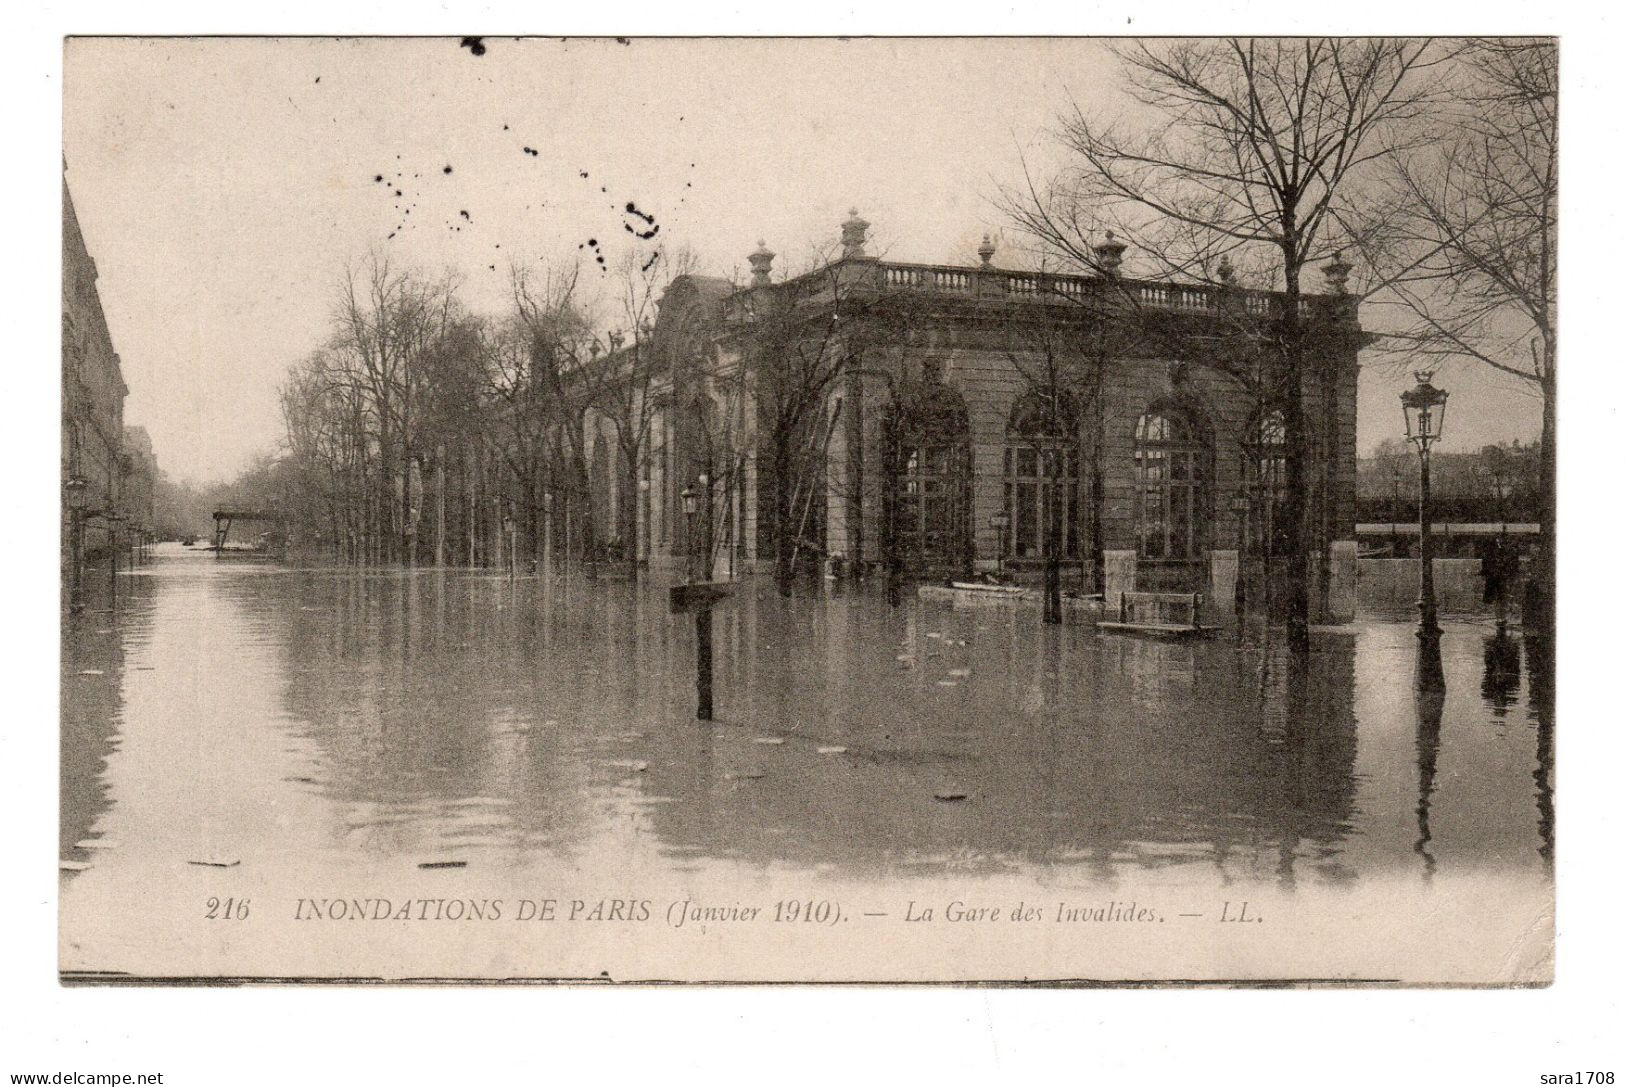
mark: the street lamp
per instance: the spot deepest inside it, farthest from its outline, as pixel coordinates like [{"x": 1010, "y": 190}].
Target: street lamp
[
  {"x": 1000, "y": 523},
  {"x": 1393, "y": 517},
  {"x": 1424, "y": 426},
  {"x": 691, "y": 506},
  {"x": 76, "y": 491},
  {"x": 547, "y": 533},
  {"x": 1240, "y": 506}
]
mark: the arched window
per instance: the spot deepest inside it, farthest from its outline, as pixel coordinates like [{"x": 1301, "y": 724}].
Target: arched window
[
  {"x": 1041, "y": 495},
  {"x": 929, "y": 477},
  {"x": 1171, "y": 463}
]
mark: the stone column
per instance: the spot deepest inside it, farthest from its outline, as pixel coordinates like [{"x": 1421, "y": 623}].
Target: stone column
[
  {"x": 1342, "y": 594},
  {"x": 1121, "y": 567},
  {"x": 1223, "y": 567}
]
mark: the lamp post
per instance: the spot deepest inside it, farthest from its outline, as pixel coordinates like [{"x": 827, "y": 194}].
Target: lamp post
[
  {"x": 1393, "y": 517},
  {"x": 705, "y": 562},
  {"x": 1000, "y": 523},
  {"x": 691, "y": 506},
  {"x": 75, "y": 490},
  {"x": 547, "y": 534},
  {"x": 1240, "y": 506},
  {"x": 1424, "y": 426},
  {"x": 113, "y": 518},
  {"x": 702, "y": 615}
]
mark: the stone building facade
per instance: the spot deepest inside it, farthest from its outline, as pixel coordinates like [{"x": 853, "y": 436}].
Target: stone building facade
[
  {"x": 943, "y": 420},
  {"x": 93, "y": 393}
]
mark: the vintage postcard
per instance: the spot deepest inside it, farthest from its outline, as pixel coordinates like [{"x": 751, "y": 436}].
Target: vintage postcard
[{"x": 1019, "y": 510}]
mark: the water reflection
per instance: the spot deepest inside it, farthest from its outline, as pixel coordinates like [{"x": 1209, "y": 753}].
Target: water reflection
[{"x": 450, "y": 715}]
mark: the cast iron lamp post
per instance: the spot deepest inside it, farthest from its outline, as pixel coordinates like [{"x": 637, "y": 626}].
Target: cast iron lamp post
[
  {"x": 1240, "y": 506},
  {"x": 75, "y": 490},
  {"x": 691, "y": 506},
  {"x": 1424, "y": 425},
  {"x": 1001, "y": 524}
]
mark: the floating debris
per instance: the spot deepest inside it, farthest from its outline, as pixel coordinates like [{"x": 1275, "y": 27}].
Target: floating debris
[
  {"x": 832, "y": 749},
  {"x": 637, "y": 766},
  {"x": 95, "y": 843},
  {"x": 949, "y": 797},
  {"x": 746, "y": 776},
  {"x": 72, "y": 866},
  {"x": 959, "y": 671},
  {"x": 442, "y": 864},
  {"x": 947, "y": 683},
  {"x": 215, "y": 864},
  {"x": 91, "y": 672},
  {"x": 768, "y": 740}
]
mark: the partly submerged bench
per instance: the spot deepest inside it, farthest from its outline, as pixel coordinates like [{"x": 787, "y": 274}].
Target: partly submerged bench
[{"x": 1159, "y": 615}]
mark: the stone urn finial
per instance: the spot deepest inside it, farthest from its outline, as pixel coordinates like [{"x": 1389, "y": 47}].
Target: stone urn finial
[
  {"x": 853, "y": 234},
  {"x": 1227, "y": 271},
  {"x": 1337, "y": 273},
  {"x": 986, "y": 251},
  {"x": 1109, "y": 254},
  {"x": 761, "y": 265}
]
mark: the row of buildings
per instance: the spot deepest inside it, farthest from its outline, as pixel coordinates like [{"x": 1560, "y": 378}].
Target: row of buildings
[
  {"x": 108, "y": 471},
  {"x": 942, "y": 420}
]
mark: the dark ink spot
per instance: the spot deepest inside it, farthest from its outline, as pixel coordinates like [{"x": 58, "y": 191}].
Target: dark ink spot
[
  {"x": 583, "y": 173},
  {"x": 623, "y": 41},
  {"x": 650, "y": 263},
  {"x": 465, "y": 215},
  {"x": 447, "y": 170},
  {"x": 654, "y": 228},
  {"x": 318, "y": 79},
  {"x": 532, "y": 152},
  {"x": 474, "y": 45},
  {"x": 504, "y": 128},
  {"x": 397, "y": 192},
  {"x": 380, "y": 177}
]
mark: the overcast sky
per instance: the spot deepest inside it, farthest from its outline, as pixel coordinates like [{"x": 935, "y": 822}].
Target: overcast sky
[{"x": 222, "y": 184}]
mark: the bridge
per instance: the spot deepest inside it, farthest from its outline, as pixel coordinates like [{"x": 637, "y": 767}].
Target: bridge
[{"x": 223, "y": 519}]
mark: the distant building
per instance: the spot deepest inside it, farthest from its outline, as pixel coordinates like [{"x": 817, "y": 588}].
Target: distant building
[
  {"x": 963, "y": 418},
  {"x": 138, "y": 501}
]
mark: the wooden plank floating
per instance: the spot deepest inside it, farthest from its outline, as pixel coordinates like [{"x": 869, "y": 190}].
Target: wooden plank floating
[{"x": 1159, "y": 615}]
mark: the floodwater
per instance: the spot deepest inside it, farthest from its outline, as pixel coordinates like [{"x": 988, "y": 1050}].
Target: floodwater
[{"x": 232, "y": 717}]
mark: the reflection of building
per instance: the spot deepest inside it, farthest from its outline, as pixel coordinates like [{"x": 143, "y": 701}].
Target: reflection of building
[
  {"x": 956, "y": 415},
  {"x": 93, "y": 392}
]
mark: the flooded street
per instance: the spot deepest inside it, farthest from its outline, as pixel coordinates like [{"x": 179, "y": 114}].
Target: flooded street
[{"x": 241, "y": 729}]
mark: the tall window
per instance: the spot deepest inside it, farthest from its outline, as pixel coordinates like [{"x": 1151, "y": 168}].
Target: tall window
[
  {"x": 1265, "y": 473},
  {"x": 1171, "y": 465},
  {"x": 929, "y": 488},
  {"x": 1041, "y": 494}
]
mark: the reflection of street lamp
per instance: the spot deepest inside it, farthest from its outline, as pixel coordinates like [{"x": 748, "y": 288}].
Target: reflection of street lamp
[
  {"x": 691, "y": 506},
  {"x": 1424, "y": 425}
]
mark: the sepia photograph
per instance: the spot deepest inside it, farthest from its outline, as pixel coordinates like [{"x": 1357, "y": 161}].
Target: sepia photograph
[{"x": 1003, "y": 511}]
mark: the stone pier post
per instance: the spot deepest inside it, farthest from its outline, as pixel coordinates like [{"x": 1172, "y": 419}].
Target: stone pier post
[
  {"x": 1121, "y": 568},
  {"x": 1223, "y": 568},
  {"x": 1342, "y": 593}
]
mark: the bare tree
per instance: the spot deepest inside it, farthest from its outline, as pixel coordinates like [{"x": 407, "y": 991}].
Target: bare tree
[
  {"x": 1248, "y": 149},
  {"x": 1470, "y": 250}
]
